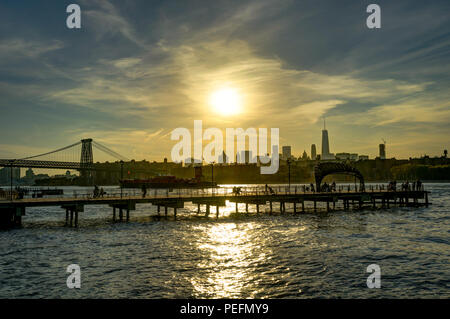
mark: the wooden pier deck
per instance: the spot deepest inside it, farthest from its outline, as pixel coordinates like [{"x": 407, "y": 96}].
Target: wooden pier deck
[{"x": 12, "y": 211}]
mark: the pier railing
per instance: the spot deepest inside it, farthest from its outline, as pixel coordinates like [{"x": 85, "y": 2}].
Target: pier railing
[{"x": 224, "y": 191}]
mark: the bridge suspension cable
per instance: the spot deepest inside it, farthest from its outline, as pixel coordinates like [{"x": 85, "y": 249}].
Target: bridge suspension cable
[
  {"x": 52, "y": 152},
  {"x": 110, "y": 151}
]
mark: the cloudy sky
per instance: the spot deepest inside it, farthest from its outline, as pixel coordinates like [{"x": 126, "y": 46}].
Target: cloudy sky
[{"x": 136, "y": 70}]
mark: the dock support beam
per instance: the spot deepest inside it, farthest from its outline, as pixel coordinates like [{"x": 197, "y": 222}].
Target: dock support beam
[
  {"x": 270, "y": 207},
  {"x": 71, "y": 218},
  {"x": 76, "y": 218},
  {"x": 128, "y": 215},
  {"x": 303, "y": 206},
  {"x": 114, "y": 214},
  {"x": 175, "y": 213},
  {"x": 426, "y": 199},
  {"x": 237, "y": 210},
  {"x": 67, "y": 217}
]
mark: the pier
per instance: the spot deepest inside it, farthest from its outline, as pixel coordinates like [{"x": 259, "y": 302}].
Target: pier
[{"x": 12, "y": 211}]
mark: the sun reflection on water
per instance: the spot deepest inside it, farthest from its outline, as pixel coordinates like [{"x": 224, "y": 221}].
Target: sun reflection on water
[{"x": 228, "y": 266}]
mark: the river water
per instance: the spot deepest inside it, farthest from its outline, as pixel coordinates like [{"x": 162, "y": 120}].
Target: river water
[{"x": 311, "y": 255}]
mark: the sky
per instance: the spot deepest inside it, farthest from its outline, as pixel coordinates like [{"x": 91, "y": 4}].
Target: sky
[{"x": 136, "y": 70}]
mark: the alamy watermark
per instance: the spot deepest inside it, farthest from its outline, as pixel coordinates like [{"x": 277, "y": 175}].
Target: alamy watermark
[
  {"x": 373, "y": 21},
  {"x": 374, "y": 279},
  {"x": 257, "y": 151},
  {"x": 73, "y": 21},
  {"x": 74, "y": 279}
]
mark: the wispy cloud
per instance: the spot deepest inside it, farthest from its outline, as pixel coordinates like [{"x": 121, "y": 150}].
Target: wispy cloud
[{"x": 137, "y": 70}]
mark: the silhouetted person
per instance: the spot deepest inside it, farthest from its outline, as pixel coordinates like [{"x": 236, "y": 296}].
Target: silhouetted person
[
  {"x": 96, "y": 191},
  {"x": 144, "y": 190},
  {"x": 419, "y": 185}
]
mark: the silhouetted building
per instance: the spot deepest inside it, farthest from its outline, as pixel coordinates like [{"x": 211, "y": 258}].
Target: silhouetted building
[
  {"x": 304, "y": 156},
  {"x": 313, "y": 152},
  {"x": 244, "y": 157},
  {"x": 29, "y": 174},
  {"x": 5, "y": 175},
  {"x": 382, "y": 151},
  {"x": 347, "y": 156},
  {"x": 223, "y": 158},
  {"x": 286, "y": 152},
  {"x": 326, "y": 155}
]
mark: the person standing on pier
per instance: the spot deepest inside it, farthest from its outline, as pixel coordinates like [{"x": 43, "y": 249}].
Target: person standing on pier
[
  {"x": 144, "y": 190},
  {"x": 96, "y": 191},
  {"x": 419, "y": 185}
]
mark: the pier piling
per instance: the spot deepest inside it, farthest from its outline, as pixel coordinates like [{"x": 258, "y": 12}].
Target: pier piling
[
  {"x": 71, "y": 218},
  {"x": 76, "y": 218}
]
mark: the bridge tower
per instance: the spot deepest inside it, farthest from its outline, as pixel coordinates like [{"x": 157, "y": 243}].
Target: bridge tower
[
  {"x": 87, "y": 158},
  {"x": 86, "y": 161}
]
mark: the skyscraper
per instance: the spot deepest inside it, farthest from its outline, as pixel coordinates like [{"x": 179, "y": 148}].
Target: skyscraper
[
  {"x": 382, "y": 151},
  {"x": 325, "y": 145},
  {"x": 313, "y": 152},
  {"x": 286, "y": 152}
]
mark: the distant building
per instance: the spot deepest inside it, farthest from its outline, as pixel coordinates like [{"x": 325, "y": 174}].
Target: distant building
[
  {"x": 347, "y": 156},
  {"x": 382, "y": 151},
  {"x": 244, "y": 157},
  {"x": 5, "y": 175},
  {"x": 264, "y": 159},
  {"x": 305, "y": 156},
  {"x": 29, "y": 174},
  {"x": 313, "y": 152},
  {"x": 343, "y": 156},
  {"x": 286, "y": 152},
  {"x": 326, "y": 155},
  {"x": 223, "y": 158},
  {"x": 363, "y": 157}
]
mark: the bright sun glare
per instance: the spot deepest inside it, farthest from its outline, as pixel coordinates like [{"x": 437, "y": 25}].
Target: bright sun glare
[{"x": 226, "y": 101}]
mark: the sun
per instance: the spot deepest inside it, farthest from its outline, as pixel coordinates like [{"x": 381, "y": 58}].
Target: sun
[{"x": 226, "y": 101}]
